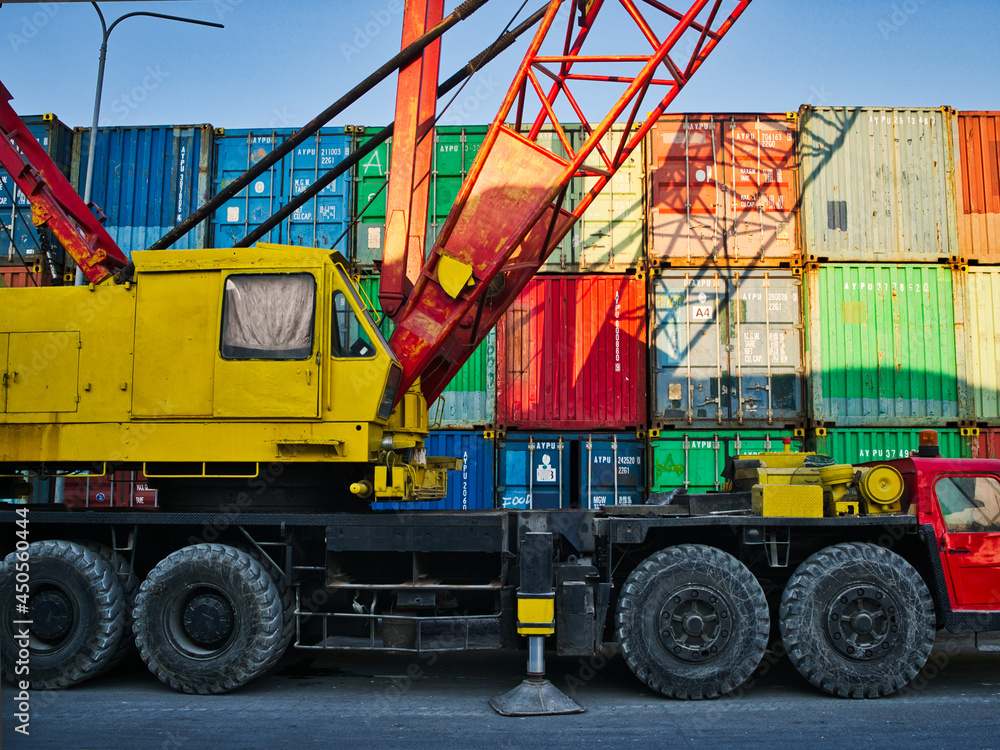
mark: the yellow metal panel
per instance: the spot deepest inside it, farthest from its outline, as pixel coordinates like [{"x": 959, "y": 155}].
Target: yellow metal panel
[
  {"x": 537, "y": 615},
  {"x": 270, "y": 388},
  {"x": 42, "y": 372},
  {"x": 176, "y": 333},
  {"x": 794, "y": 501},
  {"x": 3, "y": 371}
]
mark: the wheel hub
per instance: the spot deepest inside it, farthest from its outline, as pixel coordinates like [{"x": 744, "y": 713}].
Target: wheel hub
[
  {"x": 208, "y": 619},
  {"x": 862, "y": 623},
  {"x": 51, "y": 615},
  {"x": 695, "y": 624}
]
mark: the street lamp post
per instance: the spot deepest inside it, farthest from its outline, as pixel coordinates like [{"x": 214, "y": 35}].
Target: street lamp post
[{"x": 88, "y": 183}]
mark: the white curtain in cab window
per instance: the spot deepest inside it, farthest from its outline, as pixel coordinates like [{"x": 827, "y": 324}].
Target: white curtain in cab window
[{"x": 269, "y": 313}]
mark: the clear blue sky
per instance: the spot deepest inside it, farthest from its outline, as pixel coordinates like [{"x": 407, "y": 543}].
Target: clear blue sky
[{"x": 277, "y": 64}]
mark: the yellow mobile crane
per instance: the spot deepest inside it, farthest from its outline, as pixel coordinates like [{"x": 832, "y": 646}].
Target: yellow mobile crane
[{"x": 254, "y": 390}]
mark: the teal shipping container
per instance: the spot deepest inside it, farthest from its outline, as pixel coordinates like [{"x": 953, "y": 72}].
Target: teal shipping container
[
  {"x": 877, "y": 185},
  {"x": 570, "y": 470},
  {"x": 147, "y": 179},
  {"x": 15, "y": 210},
  {"x": 321, "y": 222},
  {"x": 726, "y": 349},
  {"x": 694, "y": 460},
  {"x": 469, "y": 400},
  {"x": 863, "y": 445},
  {"x": 886, "y": 346}
]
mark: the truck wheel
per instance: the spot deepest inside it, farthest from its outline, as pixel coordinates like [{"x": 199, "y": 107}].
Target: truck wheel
[
  {"x": 129, "y": 583},
  {"x": 208, "y": 619},
  {"x": 286, "y": 593},
  {"x": 857, "y": 620},
  {"x": 692, "y": 622},
  {"x": 77, "y": 612}
]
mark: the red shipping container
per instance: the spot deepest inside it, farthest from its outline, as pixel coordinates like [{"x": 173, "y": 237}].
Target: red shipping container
[
  {"x": 986, "y": 444},
  {"x": 17, "y": 277},
  {"x": 722, "y": 190},
  {"x": 571, "y": 355},
  {"x": 979, "y": 173},
  {"x": 123, "y": 489}
]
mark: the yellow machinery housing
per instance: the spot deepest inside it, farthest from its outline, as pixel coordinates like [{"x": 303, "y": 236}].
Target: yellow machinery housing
[{"x": 211, "y": 363}]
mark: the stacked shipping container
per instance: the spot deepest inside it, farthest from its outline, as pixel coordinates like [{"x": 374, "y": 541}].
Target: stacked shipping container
[
  {"x": 725, "y": 294},
  {"x": 805, "y": 271},
  {"x": 29, "y": 257},
  {"x": 977, "y": 135},
  {"x": 146, "y": 180},
  {"x": 885, "y": 305},
  {"x": 572, "y": 354}
]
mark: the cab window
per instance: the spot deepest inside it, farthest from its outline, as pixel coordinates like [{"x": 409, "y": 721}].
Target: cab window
[
  {"x": 268, "y": 316},
  {"x": 969, "y": 503},
  {"x": 349, "y": 338}
]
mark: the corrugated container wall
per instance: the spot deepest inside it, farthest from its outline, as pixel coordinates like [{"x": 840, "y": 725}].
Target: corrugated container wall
[
  {"x": 321, "y": 222},
  {"x": 611, "y": 235},
  {"x": 455, "y": 148},
  {"x": 18, "y": 277},
  {"x": 612, "y": 228},
  {"x": 863, "y": 445},
  {"x": 722, "y": 190},
  {"x": 572, "y": 355},
  {"x": 469, "y": 400},
  {"x": 695, "y": 460},
  {"x": 147, "y": 179},
  {"x": 986, "y": 444},
  {"x": 468, "y": 489},
  {"x": 886, "y": 346},
  {"x": 570, "y": 470},
  {"x": 982, "y": 311},
  {"x": 978, "y": 134},
  {"x": 726, "y": 349},
  {"x": 878, "y": 185},
  {"x": 15, "y": 210}
]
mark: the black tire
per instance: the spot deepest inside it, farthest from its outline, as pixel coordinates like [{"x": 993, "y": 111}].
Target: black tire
[
  {"x": 286, "y": 593},
  {"x": 857, "y": 620},
  {"x": 692, "y": 622},
  {"x": 77, "y": 607},
  {"x": 208, "y": 619},
  {"x": 129, "y": 583}
]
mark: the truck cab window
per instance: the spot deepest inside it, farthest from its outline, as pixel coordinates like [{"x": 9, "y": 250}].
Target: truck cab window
[
  {"x": 969, "y": 503},
  {"x": 349, "y": 338},
  {"x": 268, "y": 316}
]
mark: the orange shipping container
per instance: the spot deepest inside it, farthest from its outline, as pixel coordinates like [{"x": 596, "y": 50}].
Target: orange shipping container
[
  {"x": 571, "y": 355},
  {"x": 722, "y": 190},
  {"x": 979, "y": 175}
]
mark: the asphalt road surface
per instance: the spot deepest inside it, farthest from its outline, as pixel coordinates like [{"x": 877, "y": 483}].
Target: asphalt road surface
[{"x": 371, "y": 701}]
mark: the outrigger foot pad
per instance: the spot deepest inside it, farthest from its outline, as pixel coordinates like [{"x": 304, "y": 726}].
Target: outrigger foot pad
[{"x": 535, "y": 697}]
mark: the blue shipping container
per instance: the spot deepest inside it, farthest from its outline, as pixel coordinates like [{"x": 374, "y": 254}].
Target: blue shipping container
[
  {"x": 15, "y": 210},
  {"x": 147, "y": 179},
  {"x": 318, "y": 223},
  {"x": 570, "y": 470},
  {"x": 468, "y": 489}
]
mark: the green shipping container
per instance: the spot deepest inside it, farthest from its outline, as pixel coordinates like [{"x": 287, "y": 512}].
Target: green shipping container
[
  {"x": 885, "y": 345},
  {"x": 695, "y": 459},
  {"x": 860, "y": 446},
  {"x": 469, "y": 400},
  {"x": 455, "y": 149},
  {"x": 982, "y": 310},
  {"x": 609, "y": 237}
]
